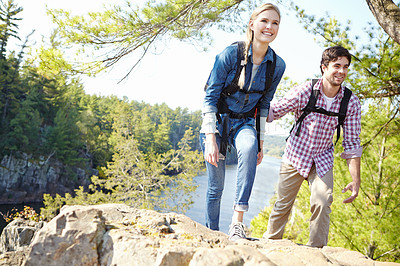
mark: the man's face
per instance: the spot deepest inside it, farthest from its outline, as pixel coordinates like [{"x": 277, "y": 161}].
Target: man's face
[{"x": 336, "y": 72}]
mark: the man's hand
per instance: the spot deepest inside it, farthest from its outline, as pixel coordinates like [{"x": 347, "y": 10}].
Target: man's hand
[
  {"x": 211, "y": 153},
  {"x": 353, "y": 187}
]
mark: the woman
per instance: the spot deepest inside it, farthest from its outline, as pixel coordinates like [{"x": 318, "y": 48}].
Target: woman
[{"x": 228, "y": 118}]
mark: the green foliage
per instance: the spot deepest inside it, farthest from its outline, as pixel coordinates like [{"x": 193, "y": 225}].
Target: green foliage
[
  {"x": 258, "y": 225},
  {"x": 375, "y": 61},
  {"x": 28, "y": 213},
  {"x": 153, "y": 181},
  {"x": 8, "y": 12},
  {"x": 274, "y": 146},
  {"x": 24, "y": 128},
  {"x": 372, "y": 222}
]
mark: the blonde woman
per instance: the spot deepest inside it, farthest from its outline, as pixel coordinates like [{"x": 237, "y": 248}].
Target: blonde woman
[{"x": 238, "y": 89}]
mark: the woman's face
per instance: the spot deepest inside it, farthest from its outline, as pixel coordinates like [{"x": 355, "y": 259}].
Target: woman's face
[{"x": 265, "y": 27}]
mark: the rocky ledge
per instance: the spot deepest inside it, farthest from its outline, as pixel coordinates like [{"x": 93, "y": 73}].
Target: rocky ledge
[{"x": 116, "y": 234}]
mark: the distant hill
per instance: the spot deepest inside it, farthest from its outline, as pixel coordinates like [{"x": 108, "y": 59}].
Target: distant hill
[{"x": 274, "y": 145}]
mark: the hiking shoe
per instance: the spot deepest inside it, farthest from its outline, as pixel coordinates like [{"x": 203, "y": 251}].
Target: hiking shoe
[{"x": 236, "y": 231}]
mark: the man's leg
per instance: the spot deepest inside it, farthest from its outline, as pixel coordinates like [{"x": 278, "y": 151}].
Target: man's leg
[
  {"x": 288, "y": 186},
  {"x": 320, "y": 201}
]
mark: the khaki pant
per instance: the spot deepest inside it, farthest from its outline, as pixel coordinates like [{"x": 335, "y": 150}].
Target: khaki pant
[{"x": 321, "y": 199}]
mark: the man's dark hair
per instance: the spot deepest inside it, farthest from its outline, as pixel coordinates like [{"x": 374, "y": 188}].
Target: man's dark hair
[{"x": 331, "y": 54}]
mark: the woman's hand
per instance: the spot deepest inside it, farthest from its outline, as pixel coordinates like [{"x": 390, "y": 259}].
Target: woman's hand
[
  {"x": 211, "y": 153},
  {"x": 260, "y": 155}
]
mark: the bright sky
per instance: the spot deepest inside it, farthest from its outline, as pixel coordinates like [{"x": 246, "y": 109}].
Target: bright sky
[{"x": 176, "y": 76}]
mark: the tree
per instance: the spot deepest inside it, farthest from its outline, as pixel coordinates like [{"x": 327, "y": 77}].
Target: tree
[
  {"x": 387, "y": 14},
  {"x": 10, "y": 91},
  {"x": 8, "y": 11},
  {"x": 143, "y": 180},
  {"x": 23, "y": 135}
]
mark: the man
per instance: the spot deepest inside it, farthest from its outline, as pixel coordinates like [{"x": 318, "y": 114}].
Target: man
[{"x": 309, "y": 149}]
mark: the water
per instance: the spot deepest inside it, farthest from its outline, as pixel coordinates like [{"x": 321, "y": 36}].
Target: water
[{"x": 263, "y": 189}]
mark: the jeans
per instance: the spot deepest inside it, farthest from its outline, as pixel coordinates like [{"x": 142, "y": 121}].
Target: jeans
[{"x": 245, "y": 142}]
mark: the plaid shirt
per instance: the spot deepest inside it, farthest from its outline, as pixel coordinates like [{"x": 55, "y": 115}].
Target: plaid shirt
[{"x": 315, "y": 142}]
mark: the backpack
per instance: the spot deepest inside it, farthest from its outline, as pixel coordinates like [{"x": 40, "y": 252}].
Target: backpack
[
  {"x": 310, "y": 107},
  {"x": 233, "y": 87}
]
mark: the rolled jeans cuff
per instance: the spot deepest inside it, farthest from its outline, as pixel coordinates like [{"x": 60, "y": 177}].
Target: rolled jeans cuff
[{"x": 241, "y": 207}]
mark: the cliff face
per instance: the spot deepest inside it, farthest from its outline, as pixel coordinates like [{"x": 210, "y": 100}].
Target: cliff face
[
  {"x": 116, "y": 234},
  {"x": 25, "y": 179}
]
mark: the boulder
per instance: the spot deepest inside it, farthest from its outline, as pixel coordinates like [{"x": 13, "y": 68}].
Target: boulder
[
  {"x": 116, "y": 234},
  {"x": 18, "y": 234}
]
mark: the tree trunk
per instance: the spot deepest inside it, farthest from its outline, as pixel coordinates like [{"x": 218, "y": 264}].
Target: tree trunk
[{"x": 387, "y": 14}]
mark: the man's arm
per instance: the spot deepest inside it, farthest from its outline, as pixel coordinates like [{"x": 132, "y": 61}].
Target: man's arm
[
  {"x": 293, "y": 101},
  {"x": 354, "y": 186}
]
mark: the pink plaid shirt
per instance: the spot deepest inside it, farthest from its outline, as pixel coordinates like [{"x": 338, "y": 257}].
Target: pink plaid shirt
[{"x": 315, "y": 142}]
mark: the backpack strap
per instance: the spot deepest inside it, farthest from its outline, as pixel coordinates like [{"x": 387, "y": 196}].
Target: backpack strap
[
  {"x": 309, "y": 107},
  {"x": 230, "y": 89},
  {"x": 343, "y": 110},
  {"x": 234, "y": 87}
]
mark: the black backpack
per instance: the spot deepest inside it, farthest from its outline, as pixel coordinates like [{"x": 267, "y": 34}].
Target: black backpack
[
  {"x": 233, "y": 87},
  {"x": 310, "y": 107}
]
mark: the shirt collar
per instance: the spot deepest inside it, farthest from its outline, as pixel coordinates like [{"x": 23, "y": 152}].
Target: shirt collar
[
  {"x": 268, "y": 55},
  {"x": 339, "y": 95}
]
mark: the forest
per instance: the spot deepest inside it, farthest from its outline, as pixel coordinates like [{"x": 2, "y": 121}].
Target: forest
[
  {"x": 144, "y": 154},
  {"x": 44, "y": 111}
]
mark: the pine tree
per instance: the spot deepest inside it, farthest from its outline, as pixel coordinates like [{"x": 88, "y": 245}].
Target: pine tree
[{"x": 8, "y": 12}]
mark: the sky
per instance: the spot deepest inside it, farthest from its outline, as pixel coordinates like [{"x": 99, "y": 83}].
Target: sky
[{"x": 177, "y": 73}]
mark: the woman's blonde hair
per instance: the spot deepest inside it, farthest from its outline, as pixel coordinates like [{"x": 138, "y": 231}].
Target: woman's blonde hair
[{"x": 250, "y": 35}]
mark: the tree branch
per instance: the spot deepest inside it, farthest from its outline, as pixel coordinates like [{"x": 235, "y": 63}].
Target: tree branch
[
  {"x": 382, "y": 127},
  {"x": 387, "y": 14}
]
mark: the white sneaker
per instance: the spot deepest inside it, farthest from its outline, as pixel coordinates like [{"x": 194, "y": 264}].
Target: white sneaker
[{"x": 236, "y": 231}]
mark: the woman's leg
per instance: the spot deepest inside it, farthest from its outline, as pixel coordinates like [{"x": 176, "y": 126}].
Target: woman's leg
[
  {"x": 216, "y": 180},
  {"x": 247, "y": 148}
]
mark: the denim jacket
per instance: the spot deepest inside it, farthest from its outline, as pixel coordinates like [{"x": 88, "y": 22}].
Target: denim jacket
[{"x": 223, "y": 73}]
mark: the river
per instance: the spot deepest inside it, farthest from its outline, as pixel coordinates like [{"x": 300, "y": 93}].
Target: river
[{"x": 263, "y": 189}]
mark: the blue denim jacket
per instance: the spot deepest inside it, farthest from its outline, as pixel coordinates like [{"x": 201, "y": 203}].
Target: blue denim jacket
[{"x": 223, "y": 73}]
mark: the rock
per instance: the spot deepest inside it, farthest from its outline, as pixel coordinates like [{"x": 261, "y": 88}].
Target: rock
[
  {"x": 115, "y": 234},
  {"x": 13, "y": 258},
  {"x": 18, "y": 234},
  {"x": 71, "y": 238}
]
